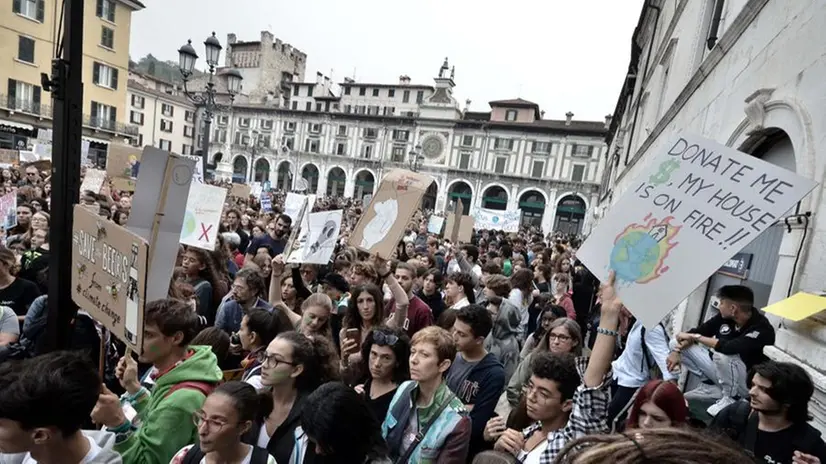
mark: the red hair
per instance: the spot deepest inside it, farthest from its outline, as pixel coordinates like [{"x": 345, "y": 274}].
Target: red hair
[{"x": 666, "y": 396}]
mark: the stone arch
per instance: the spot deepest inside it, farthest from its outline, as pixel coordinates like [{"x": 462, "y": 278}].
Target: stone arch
[
  {"x": 577, "y": 194},
  {"x": 532, "y": 201},
  {"x": 240, "y": 168},
  {"x": 499, "y": 201},
  {"x": 311, "y": 174},
  {"x": 537, "y": 189},
  {"x": 261, "y": 170},
  {"x": 571, "y": 209},
  {"x": 365, "y": 183},
  {"x": 284, "y": 176},
  {"x": 336, "y": 181},
  {"x": 466, "y": 195}
]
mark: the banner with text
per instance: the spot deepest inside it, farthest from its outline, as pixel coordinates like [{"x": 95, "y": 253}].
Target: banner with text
[
  {"x": 696, "y": 205},
  {"x": 203, "y": 215},
  {"x": 489, "y": 219}
]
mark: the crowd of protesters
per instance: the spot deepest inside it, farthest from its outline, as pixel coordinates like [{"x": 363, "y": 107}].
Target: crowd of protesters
[{"x": 503, "y": 348}]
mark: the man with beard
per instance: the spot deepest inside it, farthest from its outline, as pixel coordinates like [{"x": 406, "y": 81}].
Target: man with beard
[
  {"x": 779, "y": 432},
  {"x": 724, "y": 348},
  {"x": 274, "y": 241},
  {"x": 245, "y": 295},
  {"x": 234, "y": 225}
]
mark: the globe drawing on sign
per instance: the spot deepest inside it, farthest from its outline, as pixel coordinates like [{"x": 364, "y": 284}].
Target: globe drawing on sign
[
  {"x": 190, "y": 224},
  {"x": 640, "y": 250},
  {"x": 495, "y": 219}
]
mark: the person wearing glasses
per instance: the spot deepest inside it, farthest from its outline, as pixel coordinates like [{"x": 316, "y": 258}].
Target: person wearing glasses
[
  {"x": 292, "y": 367},
  {"x": 384, "y": 357},
  {"x": 227, "y": 414}
]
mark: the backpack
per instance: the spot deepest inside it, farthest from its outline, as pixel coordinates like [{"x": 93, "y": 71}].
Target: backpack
[{"x": 195, "y": 455}]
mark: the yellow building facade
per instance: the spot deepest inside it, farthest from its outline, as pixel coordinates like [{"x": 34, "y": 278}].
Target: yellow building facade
[{"x": 28, "y": 34}]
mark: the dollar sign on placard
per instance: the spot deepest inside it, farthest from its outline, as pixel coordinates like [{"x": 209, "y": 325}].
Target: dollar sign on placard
[{"x": 666, "y": 168}]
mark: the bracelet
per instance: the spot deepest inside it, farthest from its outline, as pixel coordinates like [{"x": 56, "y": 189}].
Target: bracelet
[
  {"x": 609, "y": 332},
  {"x": 126, "y": 426}
]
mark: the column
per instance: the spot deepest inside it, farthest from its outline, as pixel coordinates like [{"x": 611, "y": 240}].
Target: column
[
  {"x": 513, "y": 201},
  {"x": 477, "y": 195},
  {"x": 549, "y": 216},
  {"x": 350, "y": 184},
  {"x": 322, "y": 180},
  {"x": 441, "y": 195}
]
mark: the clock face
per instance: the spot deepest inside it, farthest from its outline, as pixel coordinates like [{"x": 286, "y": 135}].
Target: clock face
[{"x": 432, "y": 147}]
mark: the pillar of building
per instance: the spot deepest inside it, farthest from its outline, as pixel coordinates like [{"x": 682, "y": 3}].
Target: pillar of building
[{"x": 549, "y": 216}]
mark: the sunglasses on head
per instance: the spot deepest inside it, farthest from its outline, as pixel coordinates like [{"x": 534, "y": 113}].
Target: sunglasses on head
[{"x": 381, "y": 338}]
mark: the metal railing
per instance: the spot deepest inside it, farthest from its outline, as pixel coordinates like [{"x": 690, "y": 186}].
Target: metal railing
[{"x": 44, "y": 110}]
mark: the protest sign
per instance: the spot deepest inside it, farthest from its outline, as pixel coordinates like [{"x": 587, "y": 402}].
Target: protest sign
[
  {"x": 434, "y": 224},
  {"x": 465, "y": 227},
  {"x": 123, "y": 163},
  {"x": 293, "y": 203},
  {"x": 317, "y": 241},
  {"x": 266, "y": 202},
  {"x": 256, "y": 189},
  {"x": 384, "y": 220},
  {"x": 240, "y": 191},
  {"x": 203, "y": 215},
  {"x": 8, "y": 210},
  {"x": 157, "y": 213},
  {"x": 9, "y": 157},
  {"x": 198, "y": 174},
  {"x": 489, "y": 219},
  {"x": 93, "y": 181},
  {"x": 109, "y": 275},
  {"x": 696, "y": 205}
]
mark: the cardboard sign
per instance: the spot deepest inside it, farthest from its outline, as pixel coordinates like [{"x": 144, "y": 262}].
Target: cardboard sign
[
  {"x": 385, "y": 219},
  {"x": 8, "y": 210},
  {"x": 317, "y": 241},
  {"x": 93, "y": 181},
  {"x": 696, "y": 205},
  {"x": 9, "y": 157},
  {"x": 465, "y": 227},
  {"x": 489, "y": 219},
  {"x": 240, "y": 191},
  {"x": 109, "y": 275},
  {"x": 123, "y": 164},
  {"x": 798, "y": 307},
  {"x": 434, "y": 224},
  {"x": 203, "y": 215},
  {"x": 157, "y": 214}
]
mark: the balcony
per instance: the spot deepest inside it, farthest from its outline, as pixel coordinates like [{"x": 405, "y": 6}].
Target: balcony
[
  {"x": 110, "y": 126},
  {"x": 19, "y": 105}
]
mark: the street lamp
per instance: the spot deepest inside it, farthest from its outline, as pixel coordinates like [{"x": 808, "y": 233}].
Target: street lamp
[
  {"x": 415, "y": 159},
  {"x": 186, "y": 64},
  {"x": 254, "y": 146}
]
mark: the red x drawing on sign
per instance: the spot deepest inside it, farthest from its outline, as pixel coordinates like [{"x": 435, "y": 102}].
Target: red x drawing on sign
[{"x": 204, "y": 232}]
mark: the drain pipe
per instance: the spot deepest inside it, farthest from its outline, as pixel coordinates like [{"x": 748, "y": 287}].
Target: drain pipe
[
  {"x": 714, "y": 28},
  {"x": 650, "y": 4}
]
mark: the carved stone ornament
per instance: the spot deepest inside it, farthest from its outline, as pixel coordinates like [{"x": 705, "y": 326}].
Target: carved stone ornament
[
  {"x": 433, "y": 146},
  {"x": 756, "y": 108}
]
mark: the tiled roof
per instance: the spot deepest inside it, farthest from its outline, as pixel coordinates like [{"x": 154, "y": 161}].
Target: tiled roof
[{"x": 513, "y": 102}]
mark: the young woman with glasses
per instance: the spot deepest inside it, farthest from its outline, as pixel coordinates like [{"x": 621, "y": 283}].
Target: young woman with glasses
[
  {"x": 227, "y": 414},
  {"x": 384, "y": 357}
]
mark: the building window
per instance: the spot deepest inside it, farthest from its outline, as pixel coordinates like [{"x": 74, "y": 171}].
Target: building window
[
  {"x": 389, "y": 110},
  {"x": 541, "y": 147},
  {"x": 189, "y": 131},
  {"x": 223, "y": 120},
  {"x": 308, "y": 106},
  {"x": 584, "y": 151},
  {"x": 311, "y": 145},
  {"x": 25, "y": 49},
  {"x": 107, "y": 37},
  {"x": 220, "y": 135},
  {"x": 106, "y": 10},
  {"x": 32, "y": 9},
  {"x": 464, "y": 160},
  {"x": 362, "y": 91},
  {"x": 319, "y": 107},
  {"x": 510, "y": 115},
  {"x": 391, "y": 93},
  {"x": 136, "y": 117},
  {"x": 265, "y": 141},
  {"x": 294, "y": 105},
  {"x": 375, "y": 92},
  {"x": 342, "y": 131},
  {"x": 165, "y": 144},
  {"x": 244, "y": 122},
  {"x": 189, "y": 116},
  {"x": 167, "y": 110},
  {"x": 578, "y": 173},
  {"x": 186, "y": 149},
  {"x": 406, "y": 96},
  {"x": 347, "y": 90},
  {"x": 500, "y": 164},
  {"x": 289, "y": 143},
  {"x": 341, "y": 148},
  {"x": 103, "y": 116},
  {"x": 538, "y": 169},
  {"x": 467, "y": 140},
  {"x": 503, "y": 144},
  {"x": 104, "y": 76},
  {"x": 370, "y": 132},
  {"x": 420, "y": 96},
  {"x": 24, "y": 97},
  {"x": 398, "y": 153},
  {"x": 367, "y": 151},
  {"x": 138, "y": 101},
  {"x": 314, "y": 127},
  {"x": 401, "y": 135},
  {"x": 166, "y": 125},
  {"x": 289, "y": 126}
]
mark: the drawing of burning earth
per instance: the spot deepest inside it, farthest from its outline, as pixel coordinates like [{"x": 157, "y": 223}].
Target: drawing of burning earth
[{"x": 640, "y": 250}]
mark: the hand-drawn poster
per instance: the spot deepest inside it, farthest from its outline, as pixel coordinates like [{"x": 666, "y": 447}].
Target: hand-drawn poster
[
  {"x": 203, "y": 215},
  {"x": 385, "y": 218},
  {"x": 8, "y": 210},
  {"x": 317, "y": 241},
  {"x": 293, "y": 202},
  {"x": 9, "y": 157},
  {"x": 109, "y": 275},
  {"x": 434, "y": 224},
  {"x": 489, "y": 219},
  {"x": 198, "y": 174},
  {"x": 93, "y": 181},
  {"x": 123, "y": 163},
  {"x": 696, "y": 205}
]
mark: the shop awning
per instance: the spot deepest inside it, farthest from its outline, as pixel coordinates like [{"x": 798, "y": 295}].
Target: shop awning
[
  {"x": 19, "y": 125},
  {"x": 92, "y": 139}
]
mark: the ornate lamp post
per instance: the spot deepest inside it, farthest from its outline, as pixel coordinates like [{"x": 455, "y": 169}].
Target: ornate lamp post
[
  {"x": 186, "y": 63},
  {"x": 415, "y": 159}
]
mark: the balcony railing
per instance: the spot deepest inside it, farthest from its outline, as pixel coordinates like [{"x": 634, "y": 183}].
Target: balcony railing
[
  {"x": 109, "y": 125},
  {"x": 25, "y": 106}
]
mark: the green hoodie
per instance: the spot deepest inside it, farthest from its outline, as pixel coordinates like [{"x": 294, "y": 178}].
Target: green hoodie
[{"x": 166, "y": 419}]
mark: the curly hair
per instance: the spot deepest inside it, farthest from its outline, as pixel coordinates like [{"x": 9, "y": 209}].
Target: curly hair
[
  {"x": 401, "y": 349},
  {"x": 316, "y": 355},
  {"x": 561, "y": 368}
]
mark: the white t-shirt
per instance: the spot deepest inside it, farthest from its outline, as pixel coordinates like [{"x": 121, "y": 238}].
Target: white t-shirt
[
  {"x": 94, "y": 450},
  {"x": 533, "y": 456},
  {"x": 179, "y": 457}
]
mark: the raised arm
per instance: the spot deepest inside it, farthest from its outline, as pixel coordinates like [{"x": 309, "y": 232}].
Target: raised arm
[
  {"x": 274, "y": 296},
  {"x": 399, "y": 318},
  {"x": 603, "y": 352}
]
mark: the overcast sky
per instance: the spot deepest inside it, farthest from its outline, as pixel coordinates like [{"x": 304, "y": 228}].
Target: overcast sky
[{"x": 565, "y": 55}]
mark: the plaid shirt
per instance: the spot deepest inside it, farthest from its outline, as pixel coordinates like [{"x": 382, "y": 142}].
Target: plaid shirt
[{"x": 588, "y": 416}]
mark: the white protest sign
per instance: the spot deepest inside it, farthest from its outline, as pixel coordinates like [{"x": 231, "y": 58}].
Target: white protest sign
[
  {"x": 317, "y": 241},
  {"x": 203, "y": 215},
  {"x": 198, "y": 174},
  {"x": 93, "y": 181},
  {"x": 293, "y": 202},
  {"x": 696, "y": 205},
  {"x": 256, "y": 189},
  {"x": 488, "y": 219},
  {"x": 434, "y": 224},
  {"x": 8, "y": 210}
]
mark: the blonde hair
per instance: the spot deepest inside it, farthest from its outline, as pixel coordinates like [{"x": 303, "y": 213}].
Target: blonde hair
[{"x": 439, "y": 338}]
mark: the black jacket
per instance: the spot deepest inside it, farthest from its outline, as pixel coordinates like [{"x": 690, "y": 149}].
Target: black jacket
[
  {"x": 282, "y": 442},
  {"x": 747, "y": 342}
]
